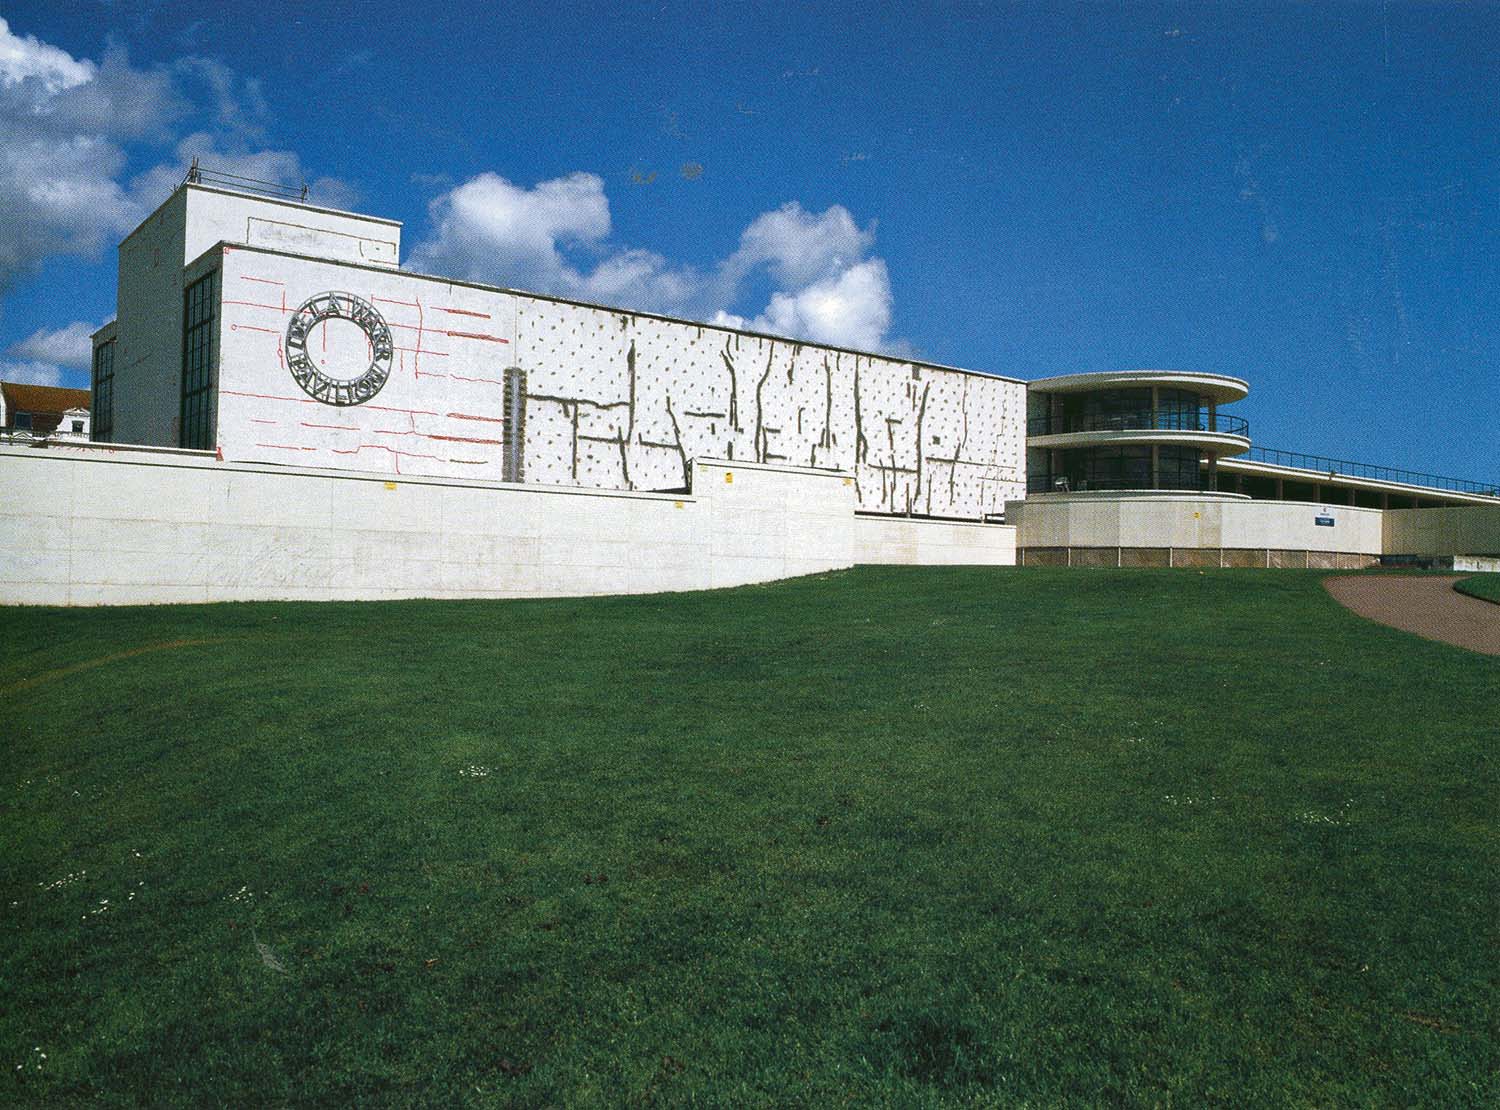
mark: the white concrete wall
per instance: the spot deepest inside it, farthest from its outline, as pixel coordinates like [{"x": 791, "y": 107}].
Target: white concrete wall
[
  {"x": 94, "y": 525},
  {"x": 217, "y": 215},
  {"x": 105, "y": 525},
  {"x": 1187, "y": 522},
  {"x": 148, "y": 328},
  {"x": 891, "y": 540},
  {"x": 148, "y": 351},
  {"x": 614, "y": 400},
  {"x": 1454, "y": 530}
]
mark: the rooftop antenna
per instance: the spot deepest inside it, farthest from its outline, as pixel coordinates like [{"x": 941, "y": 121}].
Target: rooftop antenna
[{"x": 193, "y": 175}]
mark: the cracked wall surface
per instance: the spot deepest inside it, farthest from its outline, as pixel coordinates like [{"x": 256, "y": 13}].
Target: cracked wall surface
[{"x": 611, "y": 399}]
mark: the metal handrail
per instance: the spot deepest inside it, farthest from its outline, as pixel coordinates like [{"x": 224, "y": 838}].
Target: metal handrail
[
  {"x": 1048, "y": 483},
  {"x": 1348, "y": 469},
  {"x": 1152, "y": 420},
  {"x": 199, "y": 175}
]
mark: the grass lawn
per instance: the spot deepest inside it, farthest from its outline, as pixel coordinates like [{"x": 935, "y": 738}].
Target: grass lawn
[
  {"x": 1486, "y": 586},
  {"x": 902, "y": 836}
]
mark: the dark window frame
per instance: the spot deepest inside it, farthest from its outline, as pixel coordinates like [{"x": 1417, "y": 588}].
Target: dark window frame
[
  {"x": 102, "y": 404},
  {"x": 200, "y": 324}
]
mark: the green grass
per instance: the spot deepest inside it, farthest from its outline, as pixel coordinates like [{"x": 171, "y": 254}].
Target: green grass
[
  {"x": 1485, "y": 586},
  {"x": 894, "y": 836}
]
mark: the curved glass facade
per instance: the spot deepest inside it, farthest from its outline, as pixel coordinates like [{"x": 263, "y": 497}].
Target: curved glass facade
[{"x": 1125, "y": 466}]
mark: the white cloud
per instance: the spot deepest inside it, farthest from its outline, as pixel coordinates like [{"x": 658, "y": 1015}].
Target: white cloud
[
  {"x": 800, "y": 248},
  {"x": 69, "y": 346},
  {"x": 24, "y": 58},
  {"x": 488, "y": 226},
  {"x": 553, "y": 238},
  {"x": 850, "y": 309},
  {"x": 65, "y": 124},
  {"x": 30, "y": 373}
]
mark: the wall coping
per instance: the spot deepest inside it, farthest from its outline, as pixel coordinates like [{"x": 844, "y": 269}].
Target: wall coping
[
  {"x": 177, "y": 459},
  {"x": 898, "y": 518},
  {"x": 778, "y": 468}
]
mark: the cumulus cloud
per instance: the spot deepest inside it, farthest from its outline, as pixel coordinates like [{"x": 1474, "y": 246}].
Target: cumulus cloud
[
  {"x": 25, "y": 58},
  {"x": 850, "y": 309},
  {"x": 69, "y": 346},
  {"x": 488, "y": 225},
  {"x": 800, "y": 248},
  {"x": 68, "y": 130},
  {"x": 554, "y": 238},
  {"x": 31, "y": 373}
]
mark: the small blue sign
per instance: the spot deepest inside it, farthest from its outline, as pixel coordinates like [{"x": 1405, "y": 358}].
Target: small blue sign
[{"x": 1323, "y": 521}]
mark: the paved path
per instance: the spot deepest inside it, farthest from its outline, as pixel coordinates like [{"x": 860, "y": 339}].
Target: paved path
[{"x": 1427, "y": 605}]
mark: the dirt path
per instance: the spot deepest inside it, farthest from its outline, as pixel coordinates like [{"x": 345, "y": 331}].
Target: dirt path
[{"x": 1427, "y": 605}]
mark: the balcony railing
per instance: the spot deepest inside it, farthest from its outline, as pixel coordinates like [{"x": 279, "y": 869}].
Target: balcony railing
[
  {"x": 1143, "y": 420},
  {"x": 1345, "y": 468},
  {"x": 1049, "y": 483}
]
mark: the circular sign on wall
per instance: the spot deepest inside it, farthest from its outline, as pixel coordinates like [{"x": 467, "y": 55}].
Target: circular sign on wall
[{"x": 362, "y": 373}]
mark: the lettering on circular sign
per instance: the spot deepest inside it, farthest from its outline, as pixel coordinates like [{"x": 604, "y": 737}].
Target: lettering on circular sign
[{"x": 320, "y": 386}]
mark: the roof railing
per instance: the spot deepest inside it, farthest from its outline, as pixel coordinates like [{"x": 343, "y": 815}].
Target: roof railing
[
  {"x": 1345, "y": 468},
  {"x": 198, "y": 175},
  {"x": 1151, "y": 420}
]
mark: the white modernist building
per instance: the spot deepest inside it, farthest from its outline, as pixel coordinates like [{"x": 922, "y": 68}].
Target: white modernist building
[
  {"x": 276, "y": 332},
  {"x": 280, "y": 411}
]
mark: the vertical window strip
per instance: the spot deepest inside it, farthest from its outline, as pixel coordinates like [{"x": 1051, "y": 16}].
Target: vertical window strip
[
  {"x": 200, "y": 329},
  {"x": 102, "y": 415}
]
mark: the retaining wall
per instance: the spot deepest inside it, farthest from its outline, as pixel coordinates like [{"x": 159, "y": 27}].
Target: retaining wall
[{"x": 101, "y": 525}]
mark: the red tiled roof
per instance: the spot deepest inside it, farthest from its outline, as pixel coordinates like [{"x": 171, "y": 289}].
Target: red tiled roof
[{"x": 45, "y": 399}]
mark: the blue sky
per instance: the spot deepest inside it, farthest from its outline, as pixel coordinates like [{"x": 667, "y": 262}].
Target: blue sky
[{"x": 1306, "y": 196}]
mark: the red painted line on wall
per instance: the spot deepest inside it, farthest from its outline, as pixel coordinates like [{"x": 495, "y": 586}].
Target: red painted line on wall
[
  {"x": 471, "y": 416},
  {"x": 484, "y": 381},
  {"x": 284, "y": 447},
  {"x": 468, "y": 439},
  {"x": 253, "y": 420},
  {"x": 388, "y": 408},
  {"x": 476, "y": 335},
  {"x": 252, "y": 327},
  {"x": 466, "y": 312},
  {"x": 387, "y": 300},
  {"x": 263, "y": 281},
  {"x": 335, "y": 427},
  {"x": 266, "y": 396},
  {"x": 310, "y": 401},
  {"x": 257, "y": 304},
  {"x": 423, "y": 351}
]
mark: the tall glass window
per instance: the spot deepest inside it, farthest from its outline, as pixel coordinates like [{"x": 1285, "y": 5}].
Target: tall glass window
[
  {"x": 102, "y": 407},
  {"x": 199, "y": 341},
  {"x": 1178, "y": 467},
  {"x": 1106, "y": 410},
  {"x": 1179, "y": 409}
]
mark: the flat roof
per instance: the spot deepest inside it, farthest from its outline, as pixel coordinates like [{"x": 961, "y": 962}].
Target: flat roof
[
  {"x": 618, "y": 310},
  {"x": 1220, "y": 387},
  {"x": 249, "y": 195},
  {"x": 286, "y": 202},
  {"x": 1246, "y": 465}
]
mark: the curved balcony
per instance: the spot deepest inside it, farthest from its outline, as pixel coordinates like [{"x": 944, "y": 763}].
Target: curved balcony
[
  {"x": 1203, "y": 429},
  {"x": 1155, "y": 420},
  {"x": 1220, "y": 388}
]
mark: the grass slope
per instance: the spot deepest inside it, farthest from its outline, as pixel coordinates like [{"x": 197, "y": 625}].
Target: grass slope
[
  {"x": 1484, "y": 586},
  {"x": 893, "y": 835}
]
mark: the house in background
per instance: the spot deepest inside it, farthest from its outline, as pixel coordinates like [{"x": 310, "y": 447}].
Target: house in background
[{"x": 44, "y": 411}]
